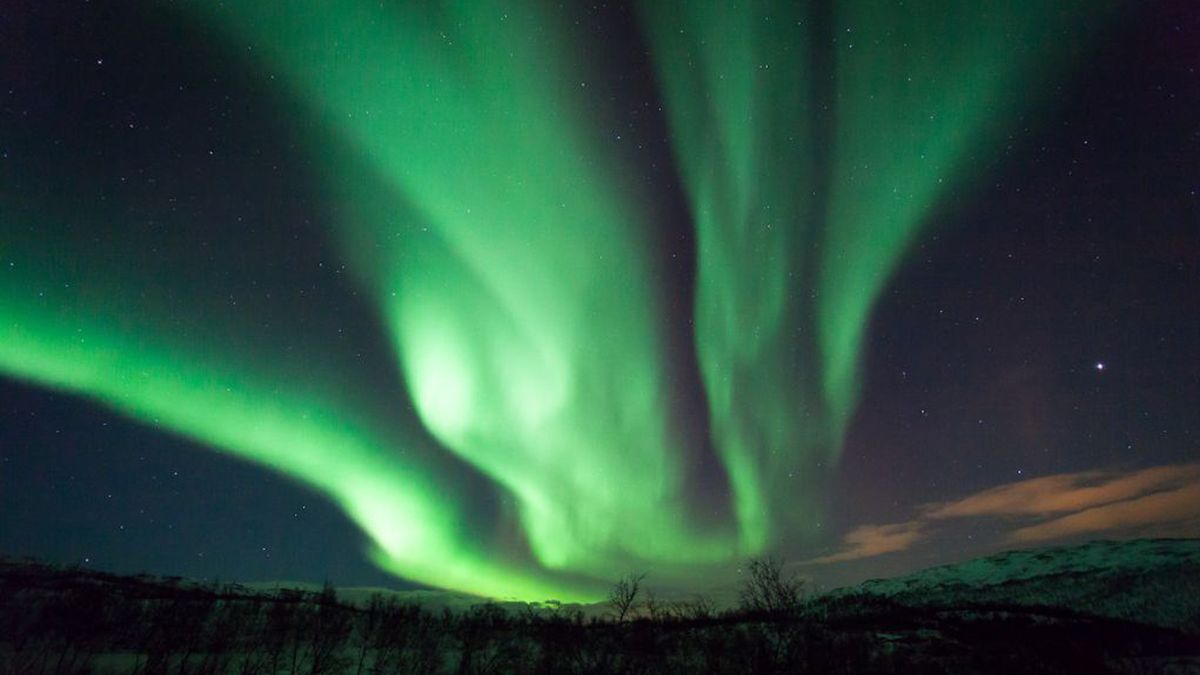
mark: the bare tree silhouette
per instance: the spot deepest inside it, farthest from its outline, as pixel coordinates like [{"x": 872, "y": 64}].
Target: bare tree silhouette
[
  {"x": 623, "y": 595},
  {"x": 766, "y": 589}
]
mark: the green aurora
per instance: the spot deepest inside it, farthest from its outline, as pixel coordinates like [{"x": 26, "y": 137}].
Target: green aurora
[{"x": 505, "y": 249}]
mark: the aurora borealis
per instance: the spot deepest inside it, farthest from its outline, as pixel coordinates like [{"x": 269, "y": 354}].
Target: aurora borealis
[{"x": 465, "y": 328}]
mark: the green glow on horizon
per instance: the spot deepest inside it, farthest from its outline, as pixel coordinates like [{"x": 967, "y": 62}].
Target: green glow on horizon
[
  {"x": 504, "y": 249},
  {"x": 282, "y": 419}
]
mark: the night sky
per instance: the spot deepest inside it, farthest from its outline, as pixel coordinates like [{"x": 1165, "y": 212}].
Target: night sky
[{"x": 515, "y": 300}]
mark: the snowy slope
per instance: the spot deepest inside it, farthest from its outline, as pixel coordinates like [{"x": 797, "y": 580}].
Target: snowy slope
[{"x": 1155, "y": 581}]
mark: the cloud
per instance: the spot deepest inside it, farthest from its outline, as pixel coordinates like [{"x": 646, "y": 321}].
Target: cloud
[
  {"x": 1162, "y": 499},
  {"x": 866, "y": 541},
  {"x": 1066, "y": 493},
  {"x": 1179, "y": 505}
]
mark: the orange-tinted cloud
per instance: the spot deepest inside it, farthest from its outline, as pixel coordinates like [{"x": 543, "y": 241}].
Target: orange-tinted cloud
[
  {"x": 1067, "y": 493},
  {"x": 867, "y": 541},
  {"x": 1162, "y": 500},
  {"x": 1179, "y": 505}
]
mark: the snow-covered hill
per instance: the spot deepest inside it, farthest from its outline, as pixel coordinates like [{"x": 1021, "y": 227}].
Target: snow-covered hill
[{"x": 1154, "y": 581}]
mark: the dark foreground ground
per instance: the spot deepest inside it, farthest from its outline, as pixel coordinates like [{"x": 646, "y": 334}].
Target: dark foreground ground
[{"x": 56, "y": 621}]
